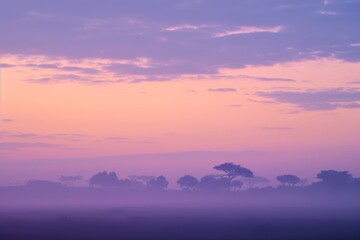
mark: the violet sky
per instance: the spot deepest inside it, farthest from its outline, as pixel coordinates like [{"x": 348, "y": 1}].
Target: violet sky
[{"x": 174, "y": 87}]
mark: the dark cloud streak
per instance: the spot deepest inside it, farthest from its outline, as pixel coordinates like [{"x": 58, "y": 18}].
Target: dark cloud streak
[
  {"x": 12, "y": 146},
  {"x": 64, "y": 68},
  {"x": 317, "y": 100}
]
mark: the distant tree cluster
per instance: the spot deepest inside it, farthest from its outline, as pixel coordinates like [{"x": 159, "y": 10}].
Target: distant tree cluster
[
  {"x": 336, "y": 180},
  {"x": 104, "y": 179},
  {"x": 233, "y": 177},
  {"x": 329, "y": 179},
  {"x": 225, "y": 181},
  {"x": 158, "y": 183},
  {"x": 110, "y": 179}
]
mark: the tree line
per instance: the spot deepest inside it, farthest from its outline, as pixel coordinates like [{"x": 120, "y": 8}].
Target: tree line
[{"x": 231, "y": 177}]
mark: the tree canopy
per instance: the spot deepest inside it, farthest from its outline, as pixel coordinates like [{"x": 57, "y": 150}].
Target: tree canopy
[
  {"x": 188, "y": 182},
  {"x": 288, "y": 179}
]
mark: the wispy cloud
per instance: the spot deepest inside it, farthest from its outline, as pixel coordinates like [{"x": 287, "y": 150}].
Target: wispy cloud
[
  {"x": 117, "y": 139},
  {"x": 354, "y": 82},
  {"x": 220, "y": 76},
  {"x": 24, "y": 135},
  {"x": 58, "y": 78},
  {"x": 222, "y": 90},
  {"x": 249, "y": 30},
  {"x": 11, "y": 146},
  {"x": 6, "y": 120},
  {"x": 327, "y": 12},
  {"x": 186, "y": 27},
  {"x": 39, "y": 14},
  {"x": 267, "y": 79},
  {"x": 155, "y": 78}
]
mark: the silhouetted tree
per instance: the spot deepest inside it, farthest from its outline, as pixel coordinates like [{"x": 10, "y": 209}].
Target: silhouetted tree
[
  {"x": 232, "y": 171},
  {"x": 236, "y": 184},
  {"x": 335, "y": 178},
  {"x": 188, "y": 182},
  {"x": 207, "y": 182},
  {"x": 288, "y": 179},
  {"x": 158, "y": 183},
  {"x": 212, "y": 183},
  {"x": 104, "y": 179},
  {"x": 69, "y": 180}
]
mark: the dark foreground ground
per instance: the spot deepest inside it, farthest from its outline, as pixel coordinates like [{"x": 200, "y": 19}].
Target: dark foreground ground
[{"x": 179, "y": 223}]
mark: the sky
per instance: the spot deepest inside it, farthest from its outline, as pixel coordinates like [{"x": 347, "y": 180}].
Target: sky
[{"x": 168, "y": 87}]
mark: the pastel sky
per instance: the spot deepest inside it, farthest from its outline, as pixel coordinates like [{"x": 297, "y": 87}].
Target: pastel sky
[{"x": 174, "y": 87}]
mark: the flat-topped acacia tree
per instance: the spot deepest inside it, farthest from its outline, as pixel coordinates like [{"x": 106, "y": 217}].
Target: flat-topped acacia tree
[{"x": 233, "y": 171}]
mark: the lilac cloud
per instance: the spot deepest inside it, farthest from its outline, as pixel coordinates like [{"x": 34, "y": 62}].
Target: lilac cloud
[
  {"x": 317, "y": 100},
  {"x": 351, "y": 105},
  {"x": 179, "y": 37},
  {"x": 5, "y": 65}
]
